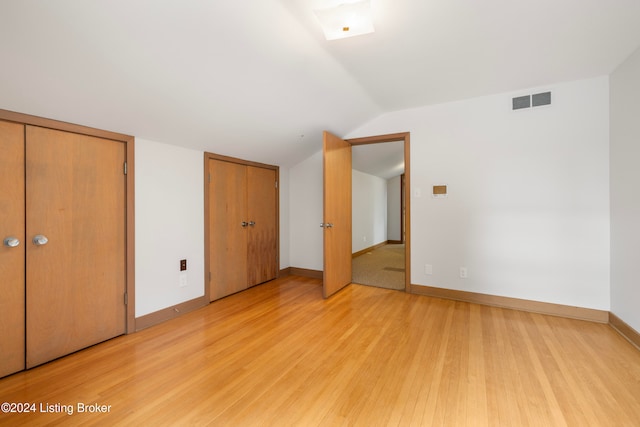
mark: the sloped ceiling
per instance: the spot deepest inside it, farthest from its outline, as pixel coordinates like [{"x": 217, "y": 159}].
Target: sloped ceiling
[
  {"x": 255, "y": 79},
  {"x": 382, "y": 160}
]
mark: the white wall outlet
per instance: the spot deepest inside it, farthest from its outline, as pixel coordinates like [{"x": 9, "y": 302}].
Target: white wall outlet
[
  {"x": 183, "y": 281},
  {"x": 364, "y": 238},
  {"x": 463, "y": 273},
  {"x": 428, "y": 269}
]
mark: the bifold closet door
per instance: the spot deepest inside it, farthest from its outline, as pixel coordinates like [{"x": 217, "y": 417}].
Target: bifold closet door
[
  {"x": 75, "y": 253},
  {"x": 228, "y": 228},
  {"x": 262, "y": 233},
  {"x": 12, "y": 250}
]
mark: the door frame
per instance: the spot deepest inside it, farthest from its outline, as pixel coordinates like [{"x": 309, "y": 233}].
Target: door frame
[
  {"x": 403, "y": 207},
  {"x": 129, "y": 141},
  {"x": 396, "y": 137},
  {"x": 207, "y": 232}
]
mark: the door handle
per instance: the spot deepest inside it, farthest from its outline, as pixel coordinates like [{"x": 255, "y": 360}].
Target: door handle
[
  {"x": 11, "y": 242},
  {"x": 326, "y": 225},
  {"x": 252, "y": 223},
  {"x": 40, "y": 240},
  {"x": 244, "y": 223}
]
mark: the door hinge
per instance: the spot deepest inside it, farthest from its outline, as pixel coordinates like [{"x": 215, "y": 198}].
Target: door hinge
[
  {"x": 209, "y": 177},
  {"x": 209, "y": 276},
  {"x": 126, "y": 298},
  {"x": 125, "y": 168},
  {"x": 276, "y": 184}
]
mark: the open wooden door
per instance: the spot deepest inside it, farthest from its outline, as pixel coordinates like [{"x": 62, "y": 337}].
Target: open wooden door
[{"x": 337, "y": 214}]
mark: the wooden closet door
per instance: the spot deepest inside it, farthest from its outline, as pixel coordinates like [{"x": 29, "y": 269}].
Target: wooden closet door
[
  {"x": 263, "y": 230},
  {"x": 228, "y": 235},
  {"x": 11, "y": 258},
  {"x": 75, "y": 283}
]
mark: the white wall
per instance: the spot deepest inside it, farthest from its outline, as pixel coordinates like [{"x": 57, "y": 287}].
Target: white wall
[
  {"x": 528, "y": 205},
  {"x": 625, "y": 195},
  {"x": 369, "y": 210},
  {"x": 169, "y": 203},
  {"x": 170, "y": 224},
  {"x": 284, "y": 211},
  {"x": 305, "y": 195},
  {"x": 394, "y": 230}
]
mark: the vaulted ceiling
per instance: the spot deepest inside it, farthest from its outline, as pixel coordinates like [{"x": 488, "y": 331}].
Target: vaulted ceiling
[{"x": 256, "y": 79}]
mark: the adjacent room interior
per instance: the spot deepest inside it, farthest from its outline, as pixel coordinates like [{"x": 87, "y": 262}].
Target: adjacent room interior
[{"x": 378, "y": 215}]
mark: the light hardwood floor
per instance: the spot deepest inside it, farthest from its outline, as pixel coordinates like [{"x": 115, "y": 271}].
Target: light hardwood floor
[{"x": 279, "y": 355}]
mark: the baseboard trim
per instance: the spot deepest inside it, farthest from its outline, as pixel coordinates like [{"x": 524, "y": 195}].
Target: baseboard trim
[
  {"x": 369, "y": 249},
  {"x": 579, "y": 313},
  {"x": 625, "y": 330},
  {"x": 305, "y": 272},
  {"x": 169, "y": 313},
  {"x": 284, "y": 272}
]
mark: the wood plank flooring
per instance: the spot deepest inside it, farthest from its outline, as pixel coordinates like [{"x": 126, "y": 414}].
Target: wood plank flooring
[{"x": 279, "y": 355}]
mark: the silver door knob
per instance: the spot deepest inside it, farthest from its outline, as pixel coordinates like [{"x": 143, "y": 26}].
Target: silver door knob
[
  {"x": 244, "y": 223},
  {"x": 329, "y": 225},
  {"x": 40, "y": 240},
  {"x": 11, "y": 242},
  {"x": 252, "y": 223},
  {"x": 322, "y": 225}
]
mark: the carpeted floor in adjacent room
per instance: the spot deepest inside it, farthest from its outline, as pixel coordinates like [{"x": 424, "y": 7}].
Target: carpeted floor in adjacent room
[{"x": 382, "y": 267}]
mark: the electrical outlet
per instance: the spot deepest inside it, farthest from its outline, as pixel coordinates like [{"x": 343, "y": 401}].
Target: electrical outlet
[
  {"x": 183, "y": 280},
  {"x": 463, "y": 273},
  {"x": 183, "y": 265},
  {"x": 428, "y": 269}
]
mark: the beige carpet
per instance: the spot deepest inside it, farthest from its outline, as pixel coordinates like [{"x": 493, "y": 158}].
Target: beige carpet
[{"x": 382, "y": 267}]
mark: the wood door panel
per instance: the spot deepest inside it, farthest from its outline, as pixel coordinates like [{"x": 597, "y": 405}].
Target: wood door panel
[
  {"x": 262, "y": 237},
  {"x": 228, "y": 238},
  {"x": 75, "y": 284},
  {"x": 337, "y": 212},
  {"x": 12, "y": 259}
]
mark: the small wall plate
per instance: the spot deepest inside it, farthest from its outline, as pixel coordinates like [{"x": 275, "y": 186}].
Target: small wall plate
[{"x": 440, "y": 191}]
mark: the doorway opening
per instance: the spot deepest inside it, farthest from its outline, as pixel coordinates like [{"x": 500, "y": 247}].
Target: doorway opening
[
  {"x": 379, "y": 214},
  {"x": 337, "y": 210}
]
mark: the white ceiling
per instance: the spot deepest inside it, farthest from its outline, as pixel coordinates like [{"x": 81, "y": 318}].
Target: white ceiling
[
  {"x": 385, "y": 160},
  {"x": 256, "y": 79}
]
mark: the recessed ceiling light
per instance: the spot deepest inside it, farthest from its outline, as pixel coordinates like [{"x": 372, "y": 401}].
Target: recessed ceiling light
[{"x": 346, "y": 20}]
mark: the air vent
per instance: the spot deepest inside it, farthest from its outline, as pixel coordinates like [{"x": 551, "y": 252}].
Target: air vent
[
  {"x": 535, "y": 100},
  {"x": 541, "y": 99},
  {"x": 522, "y": 102}
]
